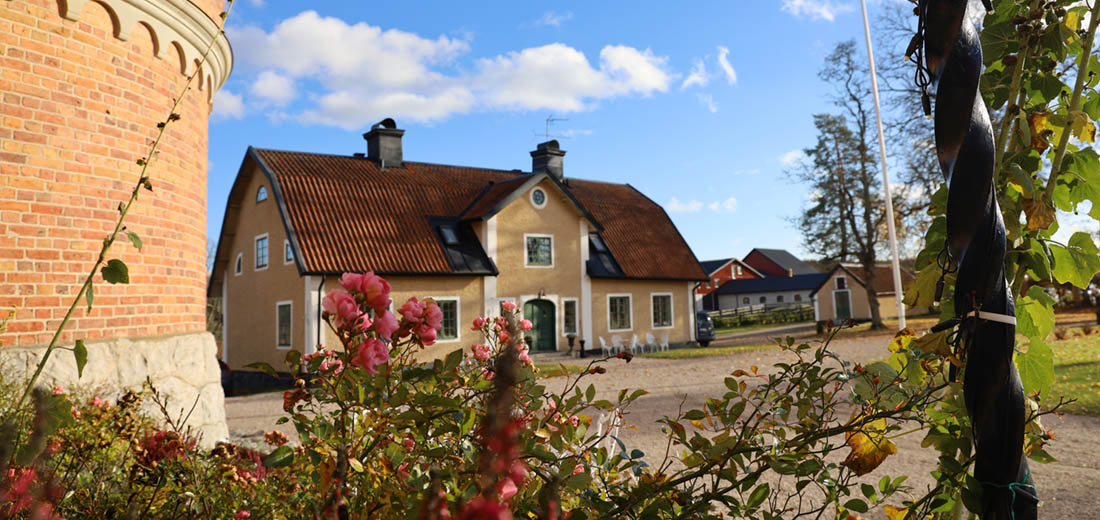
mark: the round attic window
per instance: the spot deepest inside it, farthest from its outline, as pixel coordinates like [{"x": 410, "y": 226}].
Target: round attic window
[{"x": 538, "y": 198}]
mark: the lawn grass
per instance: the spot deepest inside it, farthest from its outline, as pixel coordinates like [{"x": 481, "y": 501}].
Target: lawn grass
[
  {"x": 548, "y": 370},
  {"x": 700, "y": 352},
  {"x": 1077, "y": 374}
]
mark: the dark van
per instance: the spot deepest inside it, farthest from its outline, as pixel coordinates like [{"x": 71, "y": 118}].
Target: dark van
[{"x": 704, "y": 328}]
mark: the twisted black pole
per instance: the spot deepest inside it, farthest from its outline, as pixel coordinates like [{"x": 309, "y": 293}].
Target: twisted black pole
[{"x": 976, "y": 242}]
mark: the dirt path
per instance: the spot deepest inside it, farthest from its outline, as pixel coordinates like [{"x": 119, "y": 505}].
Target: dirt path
[{"x": 1067, "y": 487}]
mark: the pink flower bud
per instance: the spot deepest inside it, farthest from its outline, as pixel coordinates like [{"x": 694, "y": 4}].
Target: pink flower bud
[
  {"x": 525, "y": 324},
  {"x": 508, "y": 306}
]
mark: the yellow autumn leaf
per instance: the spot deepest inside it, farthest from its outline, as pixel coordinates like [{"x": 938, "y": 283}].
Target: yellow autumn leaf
[
  {"x": 1040, "y": 214},
  {"x": 934, "y": 343},
  {"x": 895, "y": 513},
  {"x": 869, "y": 446},
  {"x": 901, "y": 340},
  {"x": 1082, "y": 127},
  {"x": 1040, "y": 129}
]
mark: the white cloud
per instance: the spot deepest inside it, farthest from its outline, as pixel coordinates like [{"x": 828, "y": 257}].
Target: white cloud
[
  {"x": 273, "y": 87},
  {"x": 791, "y": 157},
  {"x": 816, "y": 9},
  {"x": 364, "y": 73},
  {"x": 754, "y": 171},
  {"x": 675, "y": 205},
  {"x": 724, "y": 62},
  {"x": 697, "y": 76},
  {"x": 256, "y": 3},
  {"x": 729, "y": 205},
  {"x": 708, "y": 101},
  {"x": 554, "y": 18},
  {"x": 559, "y": 77},
  {"x": 227, "y": 105}
]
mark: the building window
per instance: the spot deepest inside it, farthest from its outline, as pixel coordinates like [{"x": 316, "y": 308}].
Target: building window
[
  {"x": 738, "y": 268},
  {"x": 569, "y": 316},
  {"x": 450, "y": 236},
  {"x": 282, "y": 319},
  {"x": 540, "y": 250},
  {"x": 841, "y": 283},
  {"x": 449, "y": 306},
  {"x": 798, "y": 297},
  {"x": 261, "y": 194},
  {"x": 239, "y": 267},
  {"x": 763, "y": 299},
  {"x": 779, "y": 298},
  {"x": 618, "y": 312},
  {"x": 745, "y": 300},
  {"x": 288, "y": 253},
  {"x": 597, "y": 242},
  {"x": 538, "y": 198},
  {"x": 662, "y": 310},
  {"x": 261, "y": 252}
]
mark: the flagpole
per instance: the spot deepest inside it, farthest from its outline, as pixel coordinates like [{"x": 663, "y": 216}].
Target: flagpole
[{"x": 885, "y": 176}]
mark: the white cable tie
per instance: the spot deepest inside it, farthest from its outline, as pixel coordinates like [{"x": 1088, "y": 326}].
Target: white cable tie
[{"x": 993, "y": 316}]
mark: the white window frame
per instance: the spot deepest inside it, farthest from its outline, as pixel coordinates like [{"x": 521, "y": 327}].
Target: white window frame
[
  {"x": 538, "y": 235},
  {"x": 262, "y": 189},
  {"x": 458, "y": 318},
  {"x": 286, "y": 247},
  {"x": 238, "y": 265},
  {"x": 779, "y": 299},
  {"x": 545, "y": 197},
  {"x": 836, "y": 283},
  {"x": 671, "y": 311},
  {"x": 290, "y": 325},
  {"x": 630, "y": 311},
  {"x": 256, "y": 257},
  {"x": 576, "y": 316}
]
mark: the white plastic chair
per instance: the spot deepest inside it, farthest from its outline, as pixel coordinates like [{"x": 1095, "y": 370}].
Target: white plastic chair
[
  {"x": 664, "y": 341},
  {"x": 651, "y": 342},
  {"x": 606, "y": 348},
  {"x": 617, "y": 343},
  {"x": 635, "y": 345}
]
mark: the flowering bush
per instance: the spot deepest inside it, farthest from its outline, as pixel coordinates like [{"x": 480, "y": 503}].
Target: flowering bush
[{"x": 477, "y": 436}]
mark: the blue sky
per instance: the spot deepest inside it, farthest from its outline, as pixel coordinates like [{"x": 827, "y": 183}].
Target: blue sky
[{"x": 700, "y": 108}]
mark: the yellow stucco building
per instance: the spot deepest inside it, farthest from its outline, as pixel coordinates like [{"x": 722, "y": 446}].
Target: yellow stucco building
[{"x": 581, "y": 259}]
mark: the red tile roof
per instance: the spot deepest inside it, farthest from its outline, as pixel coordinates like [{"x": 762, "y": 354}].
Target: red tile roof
[{"x": 347, "y": 214}]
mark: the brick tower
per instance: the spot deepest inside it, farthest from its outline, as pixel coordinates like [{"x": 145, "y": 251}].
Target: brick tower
[{"x": 83, "y": 85}]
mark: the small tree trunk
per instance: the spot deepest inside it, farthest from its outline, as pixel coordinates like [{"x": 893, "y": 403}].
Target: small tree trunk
[{"x": 872, "y": 296}]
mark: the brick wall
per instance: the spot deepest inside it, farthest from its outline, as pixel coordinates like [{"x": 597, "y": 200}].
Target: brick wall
[{"x": 78, "y": 108}]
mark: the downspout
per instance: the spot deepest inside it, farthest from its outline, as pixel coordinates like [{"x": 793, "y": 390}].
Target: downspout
[{"x": 320, "y": 287}]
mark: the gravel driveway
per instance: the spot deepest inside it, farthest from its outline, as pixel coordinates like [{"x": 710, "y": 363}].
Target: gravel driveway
[{"x": 1067, "y": 487}]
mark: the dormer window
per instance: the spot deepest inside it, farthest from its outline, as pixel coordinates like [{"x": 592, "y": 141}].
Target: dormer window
[
  {"x": 450, "y": 236},
  {"x": 261, "y": 194},
  {"x": 597, "y": 243}
]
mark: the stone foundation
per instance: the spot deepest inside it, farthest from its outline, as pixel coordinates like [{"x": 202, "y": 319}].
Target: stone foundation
[{"x": 183, "y": 368}]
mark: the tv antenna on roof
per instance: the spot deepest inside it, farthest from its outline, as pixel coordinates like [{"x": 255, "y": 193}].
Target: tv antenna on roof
[{"x": 550, "y": 119}]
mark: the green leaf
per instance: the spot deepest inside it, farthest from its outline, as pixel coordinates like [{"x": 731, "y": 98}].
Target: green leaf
[
  {"x": 134, "y": 239},
  {"x": 922, "y": 291},
  {"x": 293, "y": 358},
  {"x": 1092, "y": 105},
  {"x": 758, "y": 495},
  {"x": 590, "y": 393},
  {"x": 1076, "y": 263},
  {"x": 694, "y": 415},
  {"x": 89, "y": 296},
  {"x": 868, "y": 491},
  {"x": 282, "y": 456},
  {"x": 1035, "y": 314},
  {"x": 1041, "y": 456},
  {"x": 452, "y": 361},
  {"x": 856, "y": 505},
  {"x": 1036, "y": 367},
  {"x": 80, "y": 352},
  {"x": 116, "y": 271}
]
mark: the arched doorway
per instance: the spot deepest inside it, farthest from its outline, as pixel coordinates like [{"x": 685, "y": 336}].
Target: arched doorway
[{"x": 541, "y": 337}]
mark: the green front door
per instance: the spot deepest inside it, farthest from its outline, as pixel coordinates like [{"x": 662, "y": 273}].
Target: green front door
[
  {"x": 541, "y": 336},
  {"x": 842, "y": 304}
]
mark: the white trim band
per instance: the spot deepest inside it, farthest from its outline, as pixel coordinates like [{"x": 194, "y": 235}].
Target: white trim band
[{"x": 992, "y": 316}]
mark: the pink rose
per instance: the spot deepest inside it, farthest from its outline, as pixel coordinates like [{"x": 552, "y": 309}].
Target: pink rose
[
  {"x": 377, "y": 291},
  {"x": 57, "y": 390},
  {"x": 342, "y": 306},
  {"x": 525, "y": 359},
  {"x": 478, "y": 323},
  {"x": 433, "y": 315},
  {"x": 386, "y": 324},
  {"x": 574, "y": 420},
  {"x": 371, "y": 354},
  {"x": 503, "y": 336},
  {"x": 525, "y": 324},
  {"x": 426, "y": 333},
  {"x": 351, "y": 281},
  {"x": 481, "y": 351},
  {"x": 412, "y": 310},
  {"x": 242, "y": 514},
  {"x": 508, "y": 306},
  {"x": 506, "y": 488}
]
